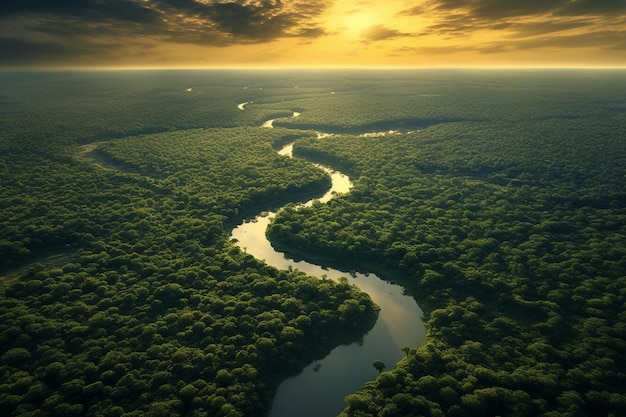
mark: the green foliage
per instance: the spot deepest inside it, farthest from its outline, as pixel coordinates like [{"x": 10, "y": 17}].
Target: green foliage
[
  {"x": 122, "y": 293},
  {"x": 507, "y": 226},
  {"x": 498, "y": 203},
  {"x": 379, "y": 365}
]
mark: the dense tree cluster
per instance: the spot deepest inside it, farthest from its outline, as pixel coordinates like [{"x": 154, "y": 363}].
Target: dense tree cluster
[
  {"x": 512, "y": 236},
  {"x": 211, "y": 337},
  {"x": 371, "y": 101},
  {"x": 39, "y": 107},
  {"x": 121, "y": 291},
  {"x": 498, "y": 204}
]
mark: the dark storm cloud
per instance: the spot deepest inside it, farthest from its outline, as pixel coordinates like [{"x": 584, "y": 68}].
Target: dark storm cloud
[
  {"x": 58, "y": 24},
  {"x": 123, "y": 10},
  {"x": 252, "y": 20},
  {"x": 258, "y": 22}
]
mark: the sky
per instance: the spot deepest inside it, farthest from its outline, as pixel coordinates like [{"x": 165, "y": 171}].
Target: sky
[{"x": 311, "y": 34}]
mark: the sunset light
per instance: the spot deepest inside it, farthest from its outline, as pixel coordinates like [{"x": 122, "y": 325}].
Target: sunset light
[
  {"x": 327, "y": 208},
  {"x": 328, "y": 33}
]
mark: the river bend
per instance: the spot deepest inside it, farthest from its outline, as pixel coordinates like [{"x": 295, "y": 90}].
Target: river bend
[{"x": 319, "y": 390}]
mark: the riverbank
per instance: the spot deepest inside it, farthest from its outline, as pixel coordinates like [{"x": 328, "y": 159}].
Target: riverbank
[
  {"x": 385, "y": 272},
  {"x": 397, "y": 326},
  {"x": 321, "y": 386},
  {"x": 281, "y": 198},
  {"x": 324, "y": 346}
]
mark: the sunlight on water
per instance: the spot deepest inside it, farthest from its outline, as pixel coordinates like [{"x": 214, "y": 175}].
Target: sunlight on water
[{"x": 320, "y": 388}]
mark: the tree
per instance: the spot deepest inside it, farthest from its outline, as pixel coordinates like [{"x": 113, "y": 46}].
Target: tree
[{"x": 379, "y": 365}]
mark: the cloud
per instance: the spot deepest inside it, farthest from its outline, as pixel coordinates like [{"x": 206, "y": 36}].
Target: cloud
[
  {"x": 379, "y": 33},
  {"x": 260, "y": 21},
  {"x": 35, "y": 24},
  {"x": 495, "y": 9},
  {"x": 431, "y": 50},
  {"x": 92, "y": 10},
  {"x": 27, "y": 52},
  {"x": 486, "y": 13},
  {"x": 528, "y": 23},
  {"x": 608, "y": 39}
]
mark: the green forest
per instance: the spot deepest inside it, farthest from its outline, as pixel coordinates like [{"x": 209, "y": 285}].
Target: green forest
[{"x": 495, "y": 198}]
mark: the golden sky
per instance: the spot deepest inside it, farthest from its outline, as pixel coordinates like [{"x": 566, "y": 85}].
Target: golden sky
[{"x": 326, "y": 33}]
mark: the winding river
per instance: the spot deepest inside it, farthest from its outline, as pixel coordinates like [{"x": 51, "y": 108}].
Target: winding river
[{"x": 319, "y": 390}]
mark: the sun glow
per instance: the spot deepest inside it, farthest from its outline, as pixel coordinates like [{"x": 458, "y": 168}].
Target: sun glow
[
  {"x": 329, "y": 33},
  {"x": 349, "y": 20},
  {"x": 356, "y": 23}
]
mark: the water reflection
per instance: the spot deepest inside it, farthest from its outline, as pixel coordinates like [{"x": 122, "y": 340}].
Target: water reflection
[{"x": 318, "y": 391}]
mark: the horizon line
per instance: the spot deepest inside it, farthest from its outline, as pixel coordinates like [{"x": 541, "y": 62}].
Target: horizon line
[{"x": 304, "y": 68}]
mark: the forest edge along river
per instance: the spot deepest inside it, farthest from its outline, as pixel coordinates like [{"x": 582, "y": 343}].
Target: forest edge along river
[{"x": 319, "y": 390}]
